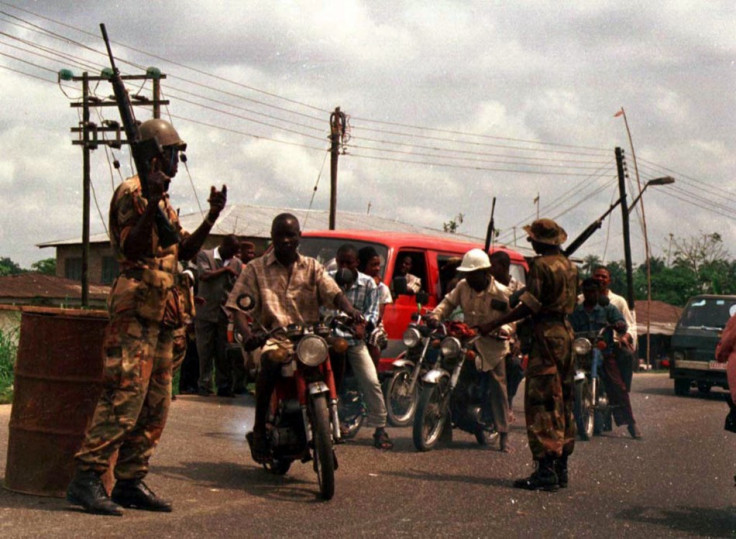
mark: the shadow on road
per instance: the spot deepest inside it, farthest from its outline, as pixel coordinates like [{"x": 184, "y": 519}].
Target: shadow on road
[
  {"x": 713, "y": 395},
  {"x": 696, "y": 521},
  {"x": 249, "y": 478},
  {"x": 462, "y": 479}
]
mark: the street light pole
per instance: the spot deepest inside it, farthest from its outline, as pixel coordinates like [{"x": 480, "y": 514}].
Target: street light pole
[{"x": 665, "y": 180}]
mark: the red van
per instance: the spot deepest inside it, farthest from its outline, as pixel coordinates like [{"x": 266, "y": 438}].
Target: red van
[{"x": 429, "y": 255}]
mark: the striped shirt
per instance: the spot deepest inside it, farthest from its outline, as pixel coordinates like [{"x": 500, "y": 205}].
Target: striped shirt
[
  {"x": 363, "y": 295},
  {"x": 284, "y": 295}
]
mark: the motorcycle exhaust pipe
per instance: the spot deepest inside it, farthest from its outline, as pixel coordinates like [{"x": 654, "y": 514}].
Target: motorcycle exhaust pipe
[
  {"x": 335, "y": 419},
  {"x": 307, "y": 429}
]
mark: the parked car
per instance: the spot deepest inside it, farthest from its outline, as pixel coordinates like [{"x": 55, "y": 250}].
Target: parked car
[{"x": 694, "y": 343}]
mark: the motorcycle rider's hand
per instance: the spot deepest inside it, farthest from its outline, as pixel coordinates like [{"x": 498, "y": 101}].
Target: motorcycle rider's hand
[
  {"x": 357, "y": 317},
  {"x": 432, "y": 321},
  {"x": 359, "y": 330},
  {"x": 254, "y": 341},
  {"x": 619, "y": 326}
]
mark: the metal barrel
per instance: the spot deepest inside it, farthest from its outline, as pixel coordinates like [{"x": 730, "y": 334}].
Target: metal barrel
[{"x": 58, "y": 379}]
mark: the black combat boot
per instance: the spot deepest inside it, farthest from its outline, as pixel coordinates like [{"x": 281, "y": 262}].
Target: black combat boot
[
  {"x": 544, "y": 478},
  {"x": 86, "y": 489},
  {"x": 134, "y": 493},
  {"x": 561, "y": 471}
]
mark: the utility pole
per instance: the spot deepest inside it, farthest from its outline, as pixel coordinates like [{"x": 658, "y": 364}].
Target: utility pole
[
  {"x": 90, "y": 137},
  {"x": 337, "y": 132},
  {"x": 625, "y": 220}
]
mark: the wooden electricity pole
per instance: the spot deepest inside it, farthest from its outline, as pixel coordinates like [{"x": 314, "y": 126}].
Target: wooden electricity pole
[
  {"x": 337, "y": 131},
  {"x": 91, "y": 136},
  {"x": 625, "y": 220}
]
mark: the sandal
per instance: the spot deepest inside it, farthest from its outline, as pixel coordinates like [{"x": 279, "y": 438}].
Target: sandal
[{"x": 382, "y": 441}]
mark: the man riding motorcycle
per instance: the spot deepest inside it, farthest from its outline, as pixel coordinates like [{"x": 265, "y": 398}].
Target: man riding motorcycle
[
  {"x": 285, "y": 288},
  {"x": 483, "y": 300}
]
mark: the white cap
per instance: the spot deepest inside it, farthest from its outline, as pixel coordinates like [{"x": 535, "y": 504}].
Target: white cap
[{"x": 475, "y": 259}]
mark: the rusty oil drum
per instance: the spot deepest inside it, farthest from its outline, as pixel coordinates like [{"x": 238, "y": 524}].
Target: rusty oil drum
[{"x": 58, "y": 379}]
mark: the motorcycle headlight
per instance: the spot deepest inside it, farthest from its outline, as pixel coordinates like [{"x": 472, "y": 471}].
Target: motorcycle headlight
[
  {"x": 312, "y": 350},
  {"x": 450, "y": 347},
  {"x": 411, "y": 337},
  {"x": 581, "y": 346}
]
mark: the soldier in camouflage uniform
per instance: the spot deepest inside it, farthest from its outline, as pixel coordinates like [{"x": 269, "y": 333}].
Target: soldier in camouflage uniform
[
  {"x": 146, "y": 307},
  {"x": 548, "y": 403}
]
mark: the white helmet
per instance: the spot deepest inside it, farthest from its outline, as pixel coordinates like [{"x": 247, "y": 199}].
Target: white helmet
[{"x": 475, "y": 259}]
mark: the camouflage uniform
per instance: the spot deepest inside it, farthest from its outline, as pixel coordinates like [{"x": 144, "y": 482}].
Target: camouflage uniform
[
  {"x": 548, "y": 403},
  {"x": 147, "y": 306}
]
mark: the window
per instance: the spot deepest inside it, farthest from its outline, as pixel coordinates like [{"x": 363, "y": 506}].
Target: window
[
  {"x": 73, "y": 268},
  {"x": 110, "y": 269}
]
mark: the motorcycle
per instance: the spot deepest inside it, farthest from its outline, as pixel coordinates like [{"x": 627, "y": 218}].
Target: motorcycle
[
  {"x": 592, "y": 410},
  {"x": 302, "y": 421},
  {"x": 402, "y": 387},
  {"x": 451, "y": 395}
]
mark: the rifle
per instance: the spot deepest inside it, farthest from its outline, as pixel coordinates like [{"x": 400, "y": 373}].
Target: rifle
[
  {"x": 588, "y": 232},
  {"x": 489, "y": 232},
  {"x": 142, "y": 150}
]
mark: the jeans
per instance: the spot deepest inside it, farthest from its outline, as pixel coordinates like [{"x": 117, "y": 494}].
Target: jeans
[{"x": 365, "y": 371}]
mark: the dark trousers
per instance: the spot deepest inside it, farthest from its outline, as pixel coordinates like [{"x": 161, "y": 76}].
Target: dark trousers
[
  {"x": 617, "y": 393},
  {"x": 514, "y": 376},
  {"x": 189, "y": 368},
  {"x": 625, "y": 361},
  {"x": 212, "y": 348}
]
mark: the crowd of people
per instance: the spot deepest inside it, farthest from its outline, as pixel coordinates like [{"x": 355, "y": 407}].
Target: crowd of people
[{"x": 163, "y": 317}]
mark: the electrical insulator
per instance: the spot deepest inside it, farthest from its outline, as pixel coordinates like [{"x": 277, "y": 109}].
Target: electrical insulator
[
  {"x": 183, "y": 157},
  {"x": 116, "y": 164}
]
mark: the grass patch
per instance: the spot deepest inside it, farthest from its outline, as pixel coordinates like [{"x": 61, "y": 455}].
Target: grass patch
[{"x": 8, "y": 355}]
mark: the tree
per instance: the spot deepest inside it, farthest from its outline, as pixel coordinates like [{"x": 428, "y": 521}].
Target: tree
[
  {"x": 8, "y": 267},
  {"x": 696, "y": 251},
  {"x": 47, "y": 266},
  {"x": 590, "y": 262},
  {"x": 453, "y": 224}
]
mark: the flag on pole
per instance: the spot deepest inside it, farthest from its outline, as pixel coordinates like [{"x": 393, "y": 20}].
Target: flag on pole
[{"x": 619, "y": 113}]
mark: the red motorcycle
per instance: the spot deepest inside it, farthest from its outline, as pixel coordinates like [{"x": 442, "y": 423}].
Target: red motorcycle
[{"x": 302, "y": 422}]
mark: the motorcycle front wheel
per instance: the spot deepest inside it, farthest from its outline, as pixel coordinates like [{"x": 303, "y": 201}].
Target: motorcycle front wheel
[
  {"x": 324, "y": 461},
  {"x": 401, "y": 398},
  {"x": 583, "y": 410},
  {"x": 431, "y": 417}
]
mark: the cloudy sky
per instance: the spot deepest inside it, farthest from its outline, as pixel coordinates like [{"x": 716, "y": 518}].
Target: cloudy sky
[{"x": 449, "y": 106}]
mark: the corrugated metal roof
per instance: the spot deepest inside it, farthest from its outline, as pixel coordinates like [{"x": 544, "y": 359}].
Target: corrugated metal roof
[
  {"x": 255, "y": 221},
  {"x": 662, "y": 317},
  {"x": 37, "y": 285}
]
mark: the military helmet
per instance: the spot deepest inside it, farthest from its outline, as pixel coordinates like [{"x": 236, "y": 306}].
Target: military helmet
[
  {"x": 163, "y": 132},
  {"x": 546, "y": 231},
  {"x": 475, "y": 259}
]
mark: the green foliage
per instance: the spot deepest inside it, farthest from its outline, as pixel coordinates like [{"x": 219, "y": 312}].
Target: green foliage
[
  {"x": 8, "y": 267},
  {"x": 46, "y": 266},
  {"x": 453, "y": 224},
  {"x": 8, "y": 354}
]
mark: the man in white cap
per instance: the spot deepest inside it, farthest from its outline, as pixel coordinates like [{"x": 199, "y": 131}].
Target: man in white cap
[{"x": 483, "y": 299}]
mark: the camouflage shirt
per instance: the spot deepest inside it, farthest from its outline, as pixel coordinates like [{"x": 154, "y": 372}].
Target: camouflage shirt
[{"x": 551, "y": 287}]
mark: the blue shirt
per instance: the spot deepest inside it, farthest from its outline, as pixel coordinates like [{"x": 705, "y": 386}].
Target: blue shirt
[
  {"x": 363, "y": 295},
  {"x": 595, "y": 319}
]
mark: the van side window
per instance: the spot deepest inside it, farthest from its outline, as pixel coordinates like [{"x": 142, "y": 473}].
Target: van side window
[
  {"x": 447, "y": 265},
  {"x": 413, "y": 267}
]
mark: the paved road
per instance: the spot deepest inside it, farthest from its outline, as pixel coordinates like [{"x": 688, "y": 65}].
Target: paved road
[{"x": 677, "y": 481}]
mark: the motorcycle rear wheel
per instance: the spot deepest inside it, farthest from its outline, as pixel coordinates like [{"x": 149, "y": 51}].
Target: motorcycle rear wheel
[
  {"x": 431, "y": 417},
  {"x": 583, "y": 411},
  {"x": 401, "y": 401},
  {"x": 324, "y": 460},
  {"x": 351, "y": 411}
]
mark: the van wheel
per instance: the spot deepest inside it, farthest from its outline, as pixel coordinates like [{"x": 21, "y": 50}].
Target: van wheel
[
  {"x": 704, "y": 388},
  {"x": 682, "y": 387}
]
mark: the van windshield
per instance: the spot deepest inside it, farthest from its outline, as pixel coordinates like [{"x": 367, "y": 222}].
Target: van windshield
[
  {"x": 324, "y": 249},
  {"x": 708, "y": 312}
]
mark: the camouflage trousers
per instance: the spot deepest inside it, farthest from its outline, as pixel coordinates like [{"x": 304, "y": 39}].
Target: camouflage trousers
[
  {"x": 550, "y": 385},
  {"x": 131, "y": 412}
]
